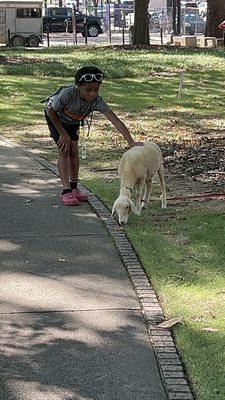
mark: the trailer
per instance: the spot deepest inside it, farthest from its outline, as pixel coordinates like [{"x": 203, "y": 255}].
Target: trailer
[{"x": 21, "y": 23}]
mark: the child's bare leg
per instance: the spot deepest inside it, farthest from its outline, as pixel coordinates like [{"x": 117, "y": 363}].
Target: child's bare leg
[
  {"x": 63, "y": 167},
  {"x": 74, "y": 170},
  {"x": 73, "y": 161}
]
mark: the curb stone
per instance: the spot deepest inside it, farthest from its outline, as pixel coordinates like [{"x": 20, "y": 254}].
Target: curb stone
[
  {"x": 171, "y": 369},
  {"x": 169, "y": 363}
]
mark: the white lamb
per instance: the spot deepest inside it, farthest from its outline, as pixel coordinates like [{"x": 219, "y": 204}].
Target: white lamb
[{"x": 137, "y": 169}]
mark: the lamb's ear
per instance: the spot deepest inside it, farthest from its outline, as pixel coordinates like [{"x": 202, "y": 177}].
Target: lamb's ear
[
  {"x": 133, "y": 208},
  {"x": 113, "y": 209}
]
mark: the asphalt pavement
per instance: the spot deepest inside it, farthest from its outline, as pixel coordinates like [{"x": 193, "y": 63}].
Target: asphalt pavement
[{"x": 71, "y": 327}]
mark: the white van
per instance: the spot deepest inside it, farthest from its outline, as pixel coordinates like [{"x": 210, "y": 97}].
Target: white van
[{"x": 21, "y": 22}]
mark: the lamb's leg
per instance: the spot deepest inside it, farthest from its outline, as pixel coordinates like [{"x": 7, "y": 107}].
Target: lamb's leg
[
  {"x": 148, "y": 190},
  {"x": 143, "y": 196},
  {"x": 141, "y": 189},
  {"x": 163, "y": 186}
]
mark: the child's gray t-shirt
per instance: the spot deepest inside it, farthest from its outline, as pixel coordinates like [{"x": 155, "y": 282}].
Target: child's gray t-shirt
[{"x": 69, "y": 98}]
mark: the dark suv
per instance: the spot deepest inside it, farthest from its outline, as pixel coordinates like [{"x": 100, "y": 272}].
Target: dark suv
[{"x": 55, "y": 20}]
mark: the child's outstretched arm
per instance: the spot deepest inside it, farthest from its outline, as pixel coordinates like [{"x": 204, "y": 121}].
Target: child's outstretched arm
[{"x": 121, "y": 127}]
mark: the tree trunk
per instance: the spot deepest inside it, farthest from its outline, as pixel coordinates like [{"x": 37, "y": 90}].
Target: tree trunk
[
  {"x": 95, "y": 4},
  {"x": 141, "y": 22},
  {"x": 215, "y": 15}
]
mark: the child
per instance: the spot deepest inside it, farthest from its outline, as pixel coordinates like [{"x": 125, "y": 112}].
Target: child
[{"x": 64, "y": 112}]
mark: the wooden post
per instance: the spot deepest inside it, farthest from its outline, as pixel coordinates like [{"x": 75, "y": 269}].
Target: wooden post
[
  {"x": 108, "y": 19},
  {"x": 123, "y": 28},
  {"x": 110, "y": 31},
  {"x": 8, "y": 36},
  {"x": 74, "y": 24},
  {"x": 174, "y": 16},
  {"x": 178, "y": 16},
  {"x": 86, "y": 33},
  {"x": 161, "y": 35},
  {"x": 180, "y": 84},
  {"x": 66, "y": 22},
  {"x": 47, "y": 31}
]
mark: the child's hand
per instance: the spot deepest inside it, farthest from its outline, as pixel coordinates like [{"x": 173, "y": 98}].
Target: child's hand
[
  {"x": 63, "y": 143},
  {"x": 132, "y": 144}
]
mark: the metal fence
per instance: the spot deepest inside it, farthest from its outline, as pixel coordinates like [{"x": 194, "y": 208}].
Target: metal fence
[{"x": 117, "y": 27}]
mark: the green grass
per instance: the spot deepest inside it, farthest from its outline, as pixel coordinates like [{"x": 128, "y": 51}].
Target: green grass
[
  {"x": 116, "y": 63},
  {"x": 181, "y": 248}
]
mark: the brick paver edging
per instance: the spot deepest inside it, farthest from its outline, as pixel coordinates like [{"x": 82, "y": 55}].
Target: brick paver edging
[
  {"x": 170, "y": 366},
  {"x": 169, "y": 363}
]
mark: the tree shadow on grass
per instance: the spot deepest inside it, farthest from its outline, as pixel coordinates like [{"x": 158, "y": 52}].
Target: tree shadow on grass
[{"x": 17, "y": 65}]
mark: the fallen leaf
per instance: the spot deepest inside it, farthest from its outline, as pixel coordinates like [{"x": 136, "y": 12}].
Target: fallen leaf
[
  {"x": 170, "y": 322},
  {"x": 194, "y": 257},
  {"x": 178, "y": 277},
  {"x": 211, "y": 312},
  {"x": 171, "y": 232}
]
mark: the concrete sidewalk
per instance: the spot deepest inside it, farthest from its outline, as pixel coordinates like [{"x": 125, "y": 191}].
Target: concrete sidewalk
[{"x": 71, "y": 325}]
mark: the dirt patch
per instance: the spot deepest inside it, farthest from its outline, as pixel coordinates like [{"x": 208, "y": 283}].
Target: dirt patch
[
  {"x": 196, "y": 165},
  {"x": 20, "y": 60},
  {"x": 193, "y": 166}
]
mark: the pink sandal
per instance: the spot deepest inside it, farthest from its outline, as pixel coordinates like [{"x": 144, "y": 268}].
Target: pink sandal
[
  {"x": 79, "y": 195},
  {"x": 68, "y": 199}
]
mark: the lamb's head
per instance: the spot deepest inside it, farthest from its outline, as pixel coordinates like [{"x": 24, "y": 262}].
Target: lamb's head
[{"x": 123, "y": 206}]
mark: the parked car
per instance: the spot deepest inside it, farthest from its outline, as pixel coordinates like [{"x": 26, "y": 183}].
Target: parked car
[
  {"x": 202, "y": 9},
  {"x": 194, "y": 24},
  {"x": 55, "y": 20},
  {"x": 69, "y": 3},
  {"x": 189, "y": 4},
  {"x": 101, "y": 10},
  {"x": 127, "y": 6},
  {"x": 156, "y": 18}
]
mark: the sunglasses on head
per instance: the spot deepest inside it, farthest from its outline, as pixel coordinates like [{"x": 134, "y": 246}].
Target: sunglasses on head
[{"x": 90, "y": 77}]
